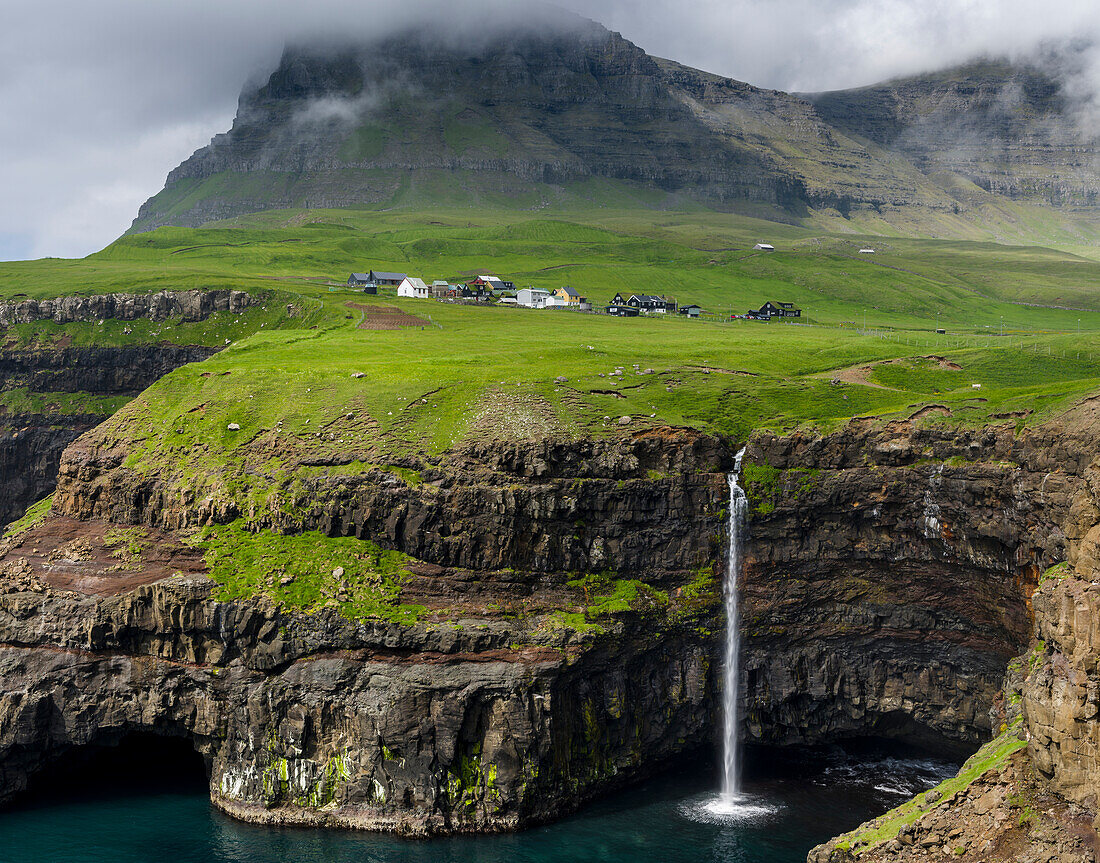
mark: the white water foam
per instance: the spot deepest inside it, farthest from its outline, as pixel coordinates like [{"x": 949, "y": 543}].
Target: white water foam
[
  {"x": 731, "y": 797},
  {"x": 723, "y": 810}
]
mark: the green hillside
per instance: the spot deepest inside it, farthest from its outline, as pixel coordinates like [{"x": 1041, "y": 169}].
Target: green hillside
[{"x": 857, "y": 309}]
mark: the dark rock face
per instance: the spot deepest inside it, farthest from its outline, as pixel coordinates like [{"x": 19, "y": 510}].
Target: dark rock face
[
  {"x": 886, "y": 586},
  {"x": 31, "y": 443},
  {"x": 186, "y": 305},
  {"x": 314, "y": 720},
  {"x": 1011, "y": 130}
]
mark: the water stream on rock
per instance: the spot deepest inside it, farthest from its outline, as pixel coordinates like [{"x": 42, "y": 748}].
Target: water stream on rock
[{"x": 731, "y": 802}]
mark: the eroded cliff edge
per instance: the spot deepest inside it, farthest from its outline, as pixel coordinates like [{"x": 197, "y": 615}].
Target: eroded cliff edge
[
  {"x": 56, "y": 391},
  {"x": 1032, "y": 794},
  {"x": 570, "y": 596}
]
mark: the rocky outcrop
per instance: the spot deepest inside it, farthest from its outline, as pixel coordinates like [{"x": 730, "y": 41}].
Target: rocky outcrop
[
  {"x": 160, "y": 306},
  {"x": 312, "y": 719},
  {"x": 31, "y": 442},
  {"x": 887, "y": 574},
  {"x": 1062, "y": 694}
]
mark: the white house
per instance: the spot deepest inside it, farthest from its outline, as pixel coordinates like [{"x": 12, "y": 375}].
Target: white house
[
  {"x": 764, "y": 247},
  {"x": 411, "y": 286},
  {"x": 533, "y": 298}
]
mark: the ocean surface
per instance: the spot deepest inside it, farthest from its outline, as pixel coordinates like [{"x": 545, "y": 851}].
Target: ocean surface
[{"x": 122, "y": 811}]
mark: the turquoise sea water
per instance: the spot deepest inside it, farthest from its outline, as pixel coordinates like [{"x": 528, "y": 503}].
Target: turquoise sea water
[{"x": 804, "y": 797}]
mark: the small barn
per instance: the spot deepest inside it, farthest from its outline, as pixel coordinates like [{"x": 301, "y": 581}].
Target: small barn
[
  {"x": 691, "y": 311},
  {"x": 866, "y": 251},
  {"x": 623, "y": 311},
  {"x": 780, "y": 310},
  {"x": 764, "y": 247}
]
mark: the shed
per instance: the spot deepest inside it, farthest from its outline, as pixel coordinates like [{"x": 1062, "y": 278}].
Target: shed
[{"x": 764, "y": 247}]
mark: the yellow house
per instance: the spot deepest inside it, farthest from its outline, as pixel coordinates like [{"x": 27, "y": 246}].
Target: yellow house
[{"x": 568, "y": 296}]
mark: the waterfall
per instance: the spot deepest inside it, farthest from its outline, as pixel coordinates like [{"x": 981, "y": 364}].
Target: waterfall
[{"x": 731, "y": 767}]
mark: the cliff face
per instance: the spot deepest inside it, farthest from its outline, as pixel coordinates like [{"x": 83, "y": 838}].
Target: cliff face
[
  {"x": 186, "y": 305},
  {"x": 888, "y": 572},
  {"x": 312, "y": 719},
  {"x": 505, "y": 706},
  {"x": 885, "y": 588},
  {"x": 31, "y": 442},
  {"x": 33, "y": 437},
  {"x": 1033, "y": 793},
  {"x": 1011, "y": 130}
]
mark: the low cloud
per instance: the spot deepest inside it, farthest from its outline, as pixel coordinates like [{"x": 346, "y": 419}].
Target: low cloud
[{"x": 98, "y": 101}]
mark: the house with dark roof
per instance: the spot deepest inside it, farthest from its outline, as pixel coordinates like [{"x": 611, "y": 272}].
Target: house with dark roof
[
  {"x": 388, "y": 279},
  {"x": 621, "y": 310},
  {"x": 781, "y": 310},
  {"x": 648, "y": 303},
  {"x": 362, "y": 280},
  {"x": 691, "y": 311}
]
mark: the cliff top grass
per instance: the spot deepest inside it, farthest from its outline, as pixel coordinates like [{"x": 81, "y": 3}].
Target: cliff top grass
[{"x": 312, "y": 392}]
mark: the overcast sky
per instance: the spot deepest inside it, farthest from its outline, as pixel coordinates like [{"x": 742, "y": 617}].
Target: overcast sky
[{"x": 99, "y": 99}]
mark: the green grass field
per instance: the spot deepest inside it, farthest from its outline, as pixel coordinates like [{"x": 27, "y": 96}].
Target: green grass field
[{"x": 479, "y": 371}]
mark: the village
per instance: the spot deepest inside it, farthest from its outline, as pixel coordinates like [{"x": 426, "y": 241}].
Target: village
[{"x": 492, "y": 290}]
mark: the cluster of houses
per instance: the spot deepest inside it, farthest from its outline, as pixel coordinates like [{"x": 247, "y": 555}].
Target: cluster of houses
[
  {"x": 479, "y": 288},
  {"x": 486, "y": 288}
]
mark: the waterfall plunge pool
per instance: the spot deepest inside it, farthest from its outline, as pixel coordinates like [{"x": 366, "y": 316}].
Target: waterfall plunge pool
[{"x": 122, "y": 816}]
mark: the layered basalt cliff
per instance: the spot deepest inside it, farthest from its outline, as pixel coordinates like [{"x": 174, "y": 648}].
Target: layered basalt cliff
[
  {"x": 886, "y": 584},
  {"x": 887, "y": 575},
  {"x": 1033, "y": 802},
  {"x": 509, "y": 701},
  {"x": 31, "y": 441},
  {"x": 160, "y": 306},
  {"x": 37, "y": 430}
]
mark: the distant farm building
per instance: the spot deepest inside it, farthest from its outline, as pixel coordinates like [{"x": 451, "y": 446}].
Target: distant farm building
[
  {"x": 778, "y": 310},
  {"x": 866, "y": 251},
  {"x": 391, "y": 280},
  {"x": 411, "y": 286},
  {"x": 648, "y": 303},
  {"x": 764, "y": 247},
  {"x": 532, "y": 298},
  {"x": 362, "y": 280},
  {"x": 622, "y": 311},
  {"x": 691, "y": 311},
  {"x": 442, "y": 290}
]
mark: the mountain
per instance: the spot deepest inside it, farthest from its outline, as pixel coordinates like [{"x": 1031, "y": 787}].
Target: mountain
[
  {"x": 573, "y": 114},
  {"x": 1010, "y": 129}
]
